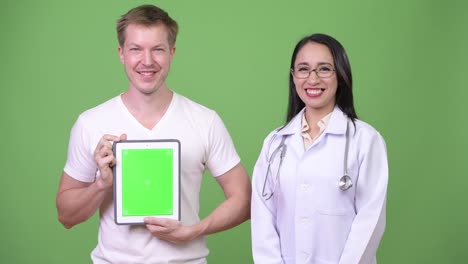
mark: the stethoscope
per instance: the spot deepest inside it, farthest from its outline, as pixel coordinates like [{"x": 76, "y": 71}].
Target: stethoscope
[{"x": 344, "y": 183}]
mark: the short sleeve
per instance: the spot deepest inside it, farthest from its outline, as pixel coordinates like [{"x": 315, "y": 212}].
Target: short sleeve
[
  {"x": 80, "y": 163},
  {"x": 222, "y": 155}
]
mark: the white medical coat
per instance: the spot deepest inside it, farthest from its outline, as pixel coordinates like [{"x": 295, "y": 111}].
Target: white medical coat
[{"x": 309, "y": 219}]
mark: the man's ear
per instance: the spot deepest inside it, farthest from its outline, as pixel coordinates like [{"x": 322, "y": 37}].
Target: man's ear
[{"x": 120, "y": 51}]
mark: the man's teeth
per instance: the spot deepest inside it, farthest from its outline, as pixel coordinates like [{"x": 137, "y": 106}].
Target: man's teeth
[{"x": 146, "y": 73}]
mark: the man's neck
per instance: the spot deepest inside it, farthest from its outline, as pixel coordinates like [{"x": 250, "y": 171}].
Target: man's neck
[{"x": 147, "y": 109}]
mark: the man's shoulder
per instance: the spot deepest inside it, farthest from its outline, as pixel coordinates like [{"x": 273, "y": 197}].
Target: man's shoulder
[
  {"x": 101, "y": 112},
  {"x": 103, "y": 108},
  {"x": 192, "y": 107}
]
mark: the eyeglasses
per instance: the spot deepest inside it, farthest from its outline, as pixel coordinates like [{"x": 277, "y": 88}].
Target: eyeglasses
[{"x": 322, "y": 71}]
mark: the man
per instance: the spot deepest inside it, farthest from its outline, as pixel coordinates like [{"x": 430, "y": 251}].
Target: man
[{"x": 149, "y": 110}]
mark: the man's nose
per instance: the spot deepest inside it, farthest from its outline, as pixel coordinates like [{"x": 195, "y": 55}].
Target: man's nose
[{"x": 147, "y": 58}]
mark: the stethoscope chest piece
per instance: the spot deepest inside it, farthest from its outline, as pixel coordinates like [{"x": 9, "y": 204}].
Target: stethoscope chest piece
[{"x": 345, "y": 183}]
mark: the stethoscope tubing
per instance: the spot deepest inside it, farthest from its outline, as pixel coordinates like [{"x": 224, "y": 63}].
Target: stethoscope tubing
[{"x": 344, "y": 183}]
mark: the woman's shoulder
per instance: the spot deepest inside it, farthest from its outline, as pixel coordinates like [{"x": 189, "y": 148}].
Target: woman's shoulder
[{"x": 366, "y": 130}]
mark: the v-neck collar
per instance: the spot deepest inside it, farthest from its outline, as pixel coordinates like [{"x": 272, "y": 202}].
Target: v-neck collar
[{"x": 163, "y": 119}]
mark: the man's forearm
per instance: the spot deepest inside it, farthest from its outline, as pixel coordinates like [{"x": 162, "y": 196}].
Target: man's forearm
[
  {"x": 230, "y": 213},
  {"x": 76, "y": 205}
]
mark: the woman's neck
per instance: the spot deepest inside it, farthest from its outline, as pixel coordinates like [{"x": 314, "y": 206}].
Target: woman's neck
[{"x": 313, "y": 116}]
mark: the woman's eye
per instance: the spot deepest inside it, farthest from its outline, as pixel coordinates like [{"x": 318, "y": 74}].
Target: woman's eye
[
  {"x": 325, "y": 69},
  {"x": 303, "y": 69}
]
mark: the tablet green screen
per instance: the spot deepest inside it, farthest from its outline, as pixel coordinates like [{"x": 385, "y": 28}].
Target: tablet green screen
[{"x": 147, "y": 182}]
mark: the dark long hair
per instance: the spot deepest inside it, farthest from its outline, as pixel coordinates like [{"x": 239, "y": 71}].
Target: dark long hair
[{"x": 344, "y": 92}]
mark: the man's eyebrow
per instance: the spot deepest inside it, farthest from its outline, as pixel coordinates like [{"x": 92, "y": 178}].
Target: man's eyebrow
[{"x": 133, "y": 44}]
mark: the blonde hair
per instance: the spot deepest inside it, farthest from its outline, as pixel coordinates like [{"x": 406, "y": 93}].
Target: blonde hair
[{"x": 147, "y": 15}]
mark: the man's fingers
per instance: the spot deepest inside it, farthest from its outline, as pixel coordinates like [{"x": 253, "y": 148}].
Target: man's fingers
[
  {"x": 158, "y": 229},
  {"x": 109, "y": 138},
  {"x": 160, "y": 221},
  {"x": 155, "y": 221},
  {"x": 102, "y": 153},
  {"x": 106, "y": 141},
  {"x": 106, "y": 161}
]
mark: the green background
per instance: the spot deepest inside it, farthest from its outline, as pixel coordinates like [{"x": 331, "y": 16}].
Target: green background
[{"x": 409, "y": 62}]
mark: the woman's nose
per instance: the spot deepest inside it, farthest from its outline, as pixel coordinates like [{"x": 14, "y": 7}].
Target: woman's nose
[{"x": 313, "y": 77}]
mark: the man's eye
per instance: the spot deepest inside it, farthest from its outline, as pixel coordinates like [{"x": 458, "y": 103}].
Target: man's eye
[{"x": 134, "y": 49}]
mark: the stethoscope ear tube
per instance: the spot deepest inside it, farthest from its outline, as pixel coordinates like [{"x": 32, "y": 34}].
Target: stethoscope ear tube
[{"x": 275, "y": 178}]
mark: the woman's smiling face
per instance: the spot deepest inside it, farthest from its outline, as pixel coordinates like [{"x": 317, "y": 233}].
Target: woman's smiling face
[{"x": 318, "y": 94}]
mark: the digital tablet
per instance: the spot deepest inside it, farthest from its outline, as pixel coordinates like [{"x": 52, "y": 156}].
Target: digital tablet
[{"x": 146, "y": 180}]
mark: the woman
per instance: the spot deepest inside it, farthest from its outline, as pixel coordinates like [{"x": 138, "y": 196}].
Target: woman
[{"x": 320, "y": 183}]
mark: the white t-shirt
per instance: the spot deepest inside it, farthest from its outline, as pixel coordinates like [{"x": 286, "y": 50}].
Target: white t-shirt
[{"x": 205, "y": 144}]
